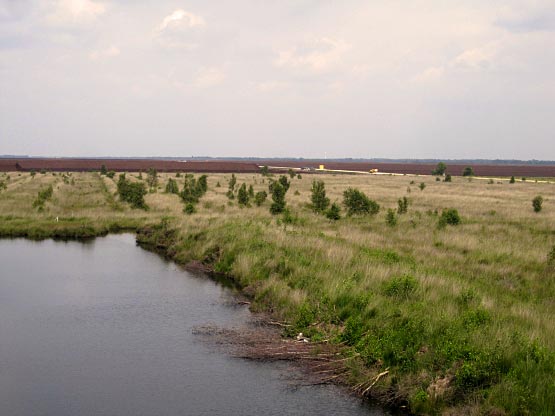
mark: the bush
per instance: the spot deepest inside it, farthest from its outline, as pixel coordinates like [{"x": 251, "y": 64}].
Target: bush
[
  {"x": 391, "y": 218},
  {"x": 319, "y": 200},
  {"x": 132, "y": 192},
  {"x": 447, "y": 178},
  {"x": 251, "y": 191},
  {"x": 512, "y": 179},
  {"x": 152, "y": 179},
  {"x": 284, "y": 182},
  {"x": 551, "y": 258},
  {"x": 172, "y": 187},
  {"x": 260, "y": 197},
  {"x": 422, "y": 186},
  {"x": 278, "y": 196},
  {"x": 189, "y": 208},
  {"x": 358, "y": 203},
  {"x": 468, "y": 171},
  {"x": 449, "y": 217},
  {"x": 400, "y": 287},
  {"x": 43, "y": 196},
  {"x": 231, "y": 186},
  {"x": 402, "y": 205},
  {"x": 537, "y": 203},
  {"x": 440, "y": 169},
  {"x": 243, "y": 195},
  {"x": 334, "y": 212},
  {"x": 111, "y": 174},
  {"x": 103, "y": 170}
]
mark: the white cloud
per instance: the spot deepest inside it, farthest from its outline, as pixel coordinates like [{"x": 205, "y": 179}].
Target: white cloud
[
  {"x": 269, "y": 86},
  {"x": 75, "y": 11},
  {"x": 209, "y": 77},
  {"x": 431, "y": 74},
  {"x": 476, "y": 58},
  {"x": 178, "y": 30},
  {"x": 110, "y": 52},
  {"x": 316, "y": 54}
]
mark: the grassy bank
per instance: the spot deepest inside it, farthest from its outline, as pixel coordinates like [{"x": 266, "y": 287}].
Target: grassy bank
[{"x": 460, "y": 316}]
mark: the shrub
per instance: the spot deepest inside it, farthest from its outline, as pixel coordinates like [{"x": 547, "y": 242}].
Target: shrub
[
  {"x": 391, "y": 218},
  {"x": 172, "y": 187},
  {"x": 189, "y": 208},
  {"x": 512, "y": 179},
  {"x": 437, "y": 179},
  {"x": 103, "y": 170},
  {"x": 33, "y": 173},
  {"x": 231, "y": 186},
  {"x": 334, "y": 212},
  {"x": 468, "y": 171},
  {"x": 551, "y": 258},
  {"x": 319, "y": 200},
  {"x": 400, "y": 287},
  {"x": 178, "y": 175},
  {"x": 358, "y": 203},
  {"x": 447, "y": 178},
  {"x": 284, "y": 182},
  {"x": 43, "y": 196},
  {"x": 422, "y": 186},
  {"x": 243, "y": 195},
  {"x": 402, "y": 205},
  {"x": 449, "y": 217},
  {"x": 440, "y": 169},
  {"x": 299, "y": 176},
  {"x": 537, "y": 203},
  {"x": 3, "y": 185},
  {"x": 152, "y": 179},
  {"x": 291, "y": 173},
  {"x": 260, "y": 197},
  {"x": 265, "y": 171},
  {"x": 111, "y": 174},
  {"x": 278, "y": 196},
  {"x": 251, "y": 191},
  {"x": 132, "y": 192}
]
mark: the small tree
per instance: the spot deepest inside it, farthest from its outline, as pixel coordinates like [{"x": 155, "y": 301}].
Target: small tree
[
  {"x": 422, "y": 186},
  {"x": 537, "y": 203},
  {"x": 189, "y": 208},
  {"x": 440, "y": 169},
  {"x": 103, "y": 170},
  {"x": 202, "y": 185},
  {"x": 447, "y": 178},
  {"x": 358, "y": 203},
  {"x": 468, "y": 171},
  {"x": 512, "y": 179},
  {"x": 278, "y": 196},
  {"x": 402, "y": 205},
  {"x": 111, "y": 174},
  {"x": 334, "y": 212},
  {"x": 291, "y": 173},
  {"x": 231, "y": 186},
  {"x": 152, "y": 179},
  {"x": 391, "y": 218},
  {"x": 260, "y": 197},
  {"x": 449, "y": 217},
  {"x": 265, "y": 171},
  {"x": 251, "y": 191},
  {"x": 284, "y": 182},
  {"x": 33, "y": 173},
  {"x": 319, "y": 200},
  {"x": 172, "y": 187},
  {"x": 132, "y": 192},
  {"x": 243, "y": 195}
]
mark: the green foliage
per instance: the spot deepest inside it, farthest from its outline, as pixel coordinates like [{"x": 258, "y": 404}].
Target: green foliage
[
  {"x": 103, "y": 170},
  {"x": 152, "y": 179},
  {"x": 178, "y": 175},
  {"x": 299, "y": 176},
  {"x": 402, "y": 205},
  {"x": 537, "y": 203},
  {"x": 132, "y": 192},
  {"x": 391, "y": 218},
  {"x": 440, "y": 169},
  {"x": 33, "y": 173},
  {"x": 319, "y": 200},
  {"x": 3, "y": 186},
  {"x": 278, "y": 191},
  {"x": 447, "y": 178},
  {"x": 284, "y": 182},
  {"x": 468, "y": 171},
  {"x": 449, "y": 217},
  {"x": 218, "y": 184},
  {"x": 512, "y": 180},
  {"x": 357, "y": 203},
  {"x": 243, "y": 195},
  {"x": 111, "y": 174},
  {"x": 291, "y": 173},
  {"x": 551, "y": 258},
  {"x": 193, "y": 189},
  {"x": 172, "y": 187},
  {"x": 260, "y": 197},
  {"x": 422, "y": 186},
  {"x": 400, "y": 287},
  {"x": 43, "y": 196},
  {"x": 251, "y": 191},
  {"x": 231, "y": 187},
  {"x": 334, "y": 212},
  {"x": 189, "y": 208},
  {"x": 265, "y": 171}
]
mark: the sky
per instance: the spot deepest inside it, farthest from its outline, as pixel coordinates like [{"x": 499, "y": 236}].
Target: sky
[{"x": 439, "y": 79}]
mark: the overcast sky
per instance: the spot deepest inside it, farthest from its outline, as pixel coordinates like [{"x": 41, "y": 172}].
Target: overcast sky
[{"x": 300, "y": 78}]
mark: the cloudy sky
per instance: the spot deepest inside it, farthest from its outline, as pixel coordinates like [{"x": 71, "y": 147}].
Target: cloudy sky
[{"x": 303, "y": 78}]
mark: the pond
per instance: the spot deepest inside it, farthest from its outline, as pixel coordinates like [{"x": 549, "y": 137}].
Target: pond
[{"x": 105, "y": 328}]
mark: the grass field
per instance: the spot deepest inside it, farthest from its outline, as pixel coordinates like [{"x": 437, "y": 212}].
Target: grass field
[{"x": 461, "y": 316}]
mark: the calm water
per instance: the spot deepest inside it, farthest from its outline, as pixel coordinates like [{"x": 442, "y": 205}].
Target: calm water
[{"x": 104, "y": 328}]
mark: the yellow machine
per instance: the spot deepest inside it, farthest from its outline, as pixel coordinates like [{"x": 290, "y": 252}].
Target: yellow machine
[
  {"x": 373, "y": 170},
  {"x": 321, "y": 167}
]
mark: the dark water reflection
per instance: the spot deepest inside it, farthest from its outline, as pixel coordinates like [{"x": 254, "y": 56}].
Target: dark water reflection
[{"x": 104, "y": 328}]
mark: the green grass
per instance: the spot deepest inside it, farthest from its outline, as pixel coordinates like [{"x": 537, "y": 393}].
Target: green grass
[{"x": 466, "y": 307}]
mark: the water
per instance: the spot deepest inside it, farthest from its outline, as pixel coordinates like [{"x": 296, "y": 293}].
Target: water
[{"x": 104, "y": 328}]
